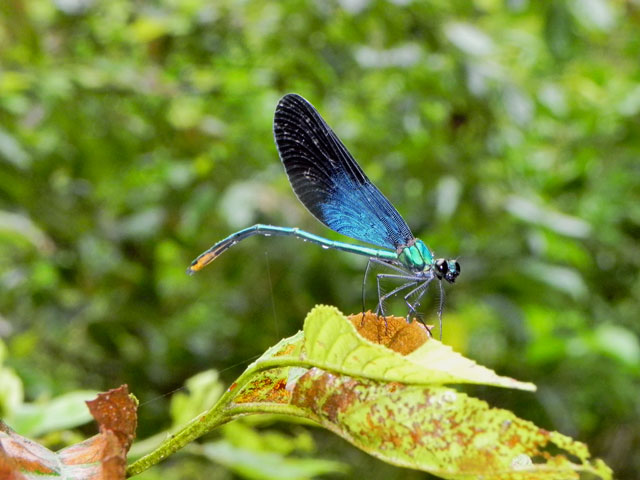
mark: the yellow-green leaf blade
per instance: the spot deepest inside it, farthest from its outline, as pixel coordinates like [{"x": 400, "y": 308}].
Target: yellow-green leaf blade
[
  {"x": 438, "y": 430},
  {"x": 331, "y": 342}
]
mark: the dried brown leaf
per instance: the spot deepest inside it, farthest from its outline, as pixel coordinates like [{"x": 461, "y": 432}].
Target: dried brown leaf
[
  {"x": 101, "y": 457},
  {"x": 392, "y": 332}
]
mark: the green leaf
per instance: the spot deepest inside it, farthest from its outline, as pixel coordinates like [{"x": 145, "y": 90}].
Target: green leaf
[
  {"x": 242, "y": 435},
  {"x": 12, "y": 151},
  {"x": 332, "y": 343},
  {"x": 20, "y": 228},
  {"x": 469, "y": 39},
  {"x": 60, "y": 413},
  {"x": 11, "y": 391},
  {"x": 393, "y": 406},
  {"x": 267, "y": 465},
  {"x": 618, "y": 342},
  {"x": 594, "y": 14},
  {"x": 203, "y": 391},
  {"x": 438, "y": 430}
]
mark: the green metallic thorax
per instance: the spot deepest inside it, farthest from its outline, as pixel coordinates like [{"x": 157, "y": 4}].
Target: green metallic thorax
[{"x": 417, "y": 257}]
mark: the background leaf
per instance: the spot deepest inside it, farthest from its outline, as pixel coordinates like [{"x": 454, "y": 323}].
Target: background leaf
[
  {"x": 59, "y": 413},
  {"x": 251, "y": 464}
]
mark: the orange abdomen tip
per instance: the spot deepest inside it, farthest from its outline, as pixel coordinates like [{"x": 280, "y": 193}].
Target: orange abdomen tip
[{"x": 201, "y": 262}]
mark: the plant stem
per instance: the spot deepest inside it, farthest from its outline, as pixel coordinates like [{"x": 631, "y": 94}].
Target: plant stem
[
  {"x": 193, "y": 430},
  {"x": 218, "y": 415}
]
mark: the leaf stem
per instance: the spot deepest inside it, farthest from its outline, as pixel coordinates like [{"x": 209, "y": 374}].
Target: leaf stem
[{"x": 222, "y": 412}]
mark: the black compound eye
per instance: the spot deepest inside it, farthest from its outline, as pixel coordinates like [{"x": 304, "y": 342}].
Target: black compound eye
[
  {"x": 441, "y": 266},
  {"x": 457, "y": 267}
]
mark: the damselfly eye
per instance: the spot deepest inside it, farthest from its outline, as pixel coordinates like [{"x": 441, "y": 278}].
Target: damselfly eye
[
  {"x": 441, "y": 266},
  {"x": 457, "y": 267}
]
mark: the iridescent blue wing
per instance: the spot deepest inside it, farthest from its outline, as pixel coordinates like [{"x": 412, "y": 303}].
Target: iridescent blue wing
[{"x": 329, "y": 182}]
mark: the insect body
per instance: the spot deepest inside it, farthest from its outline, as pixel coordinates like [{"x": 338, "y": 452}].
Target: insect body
[{"x": 332, "y": 186}]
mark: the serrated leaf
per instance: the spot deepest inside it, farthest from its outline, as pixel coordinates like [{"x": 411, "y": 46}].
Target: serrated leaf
[
  {"x": 332, "y": 343},
  {"x": 438, "y": 430},
  {"x": 287, "y": 347},
  {"x": 434, "y": 429},
  {"x": 388, "y": 398}
]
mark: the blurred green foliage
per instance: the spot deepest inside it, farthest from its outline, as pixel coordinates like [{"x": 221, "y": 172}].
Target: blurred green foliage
[{"x": 133, "y": 135}]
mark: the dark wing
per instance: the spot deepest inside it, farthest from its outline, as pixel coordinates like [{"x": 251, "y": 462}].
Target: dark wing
[{"x": 329, "y": 182}]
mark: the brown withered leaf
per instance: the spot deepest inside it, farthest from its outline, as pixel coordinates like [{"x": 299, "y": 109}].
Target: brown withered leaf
[
  {"x": 20, "y": 455},
  {"x": 101, "y": 457},
  {"x": 116, "y": 411},
  {"x": 8, "y": 469},
  {"x": 392, "y": 332}
]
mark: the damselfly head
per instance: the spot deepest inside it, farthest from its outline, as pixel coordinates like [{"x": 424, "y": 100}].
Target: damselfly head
[{"x": 447, "y": 269}]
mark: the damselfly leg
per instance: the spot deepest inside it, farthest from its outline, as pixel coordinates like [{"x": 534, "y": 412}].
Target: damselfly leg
[
  {"x": 383, "y": 297},
  {"x": 383, "y": 263},
  {"x": 413, "y": 306}
]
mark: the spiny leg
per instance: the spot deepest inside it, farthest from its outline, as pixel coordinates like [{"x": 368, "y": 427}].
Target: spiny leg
[
  {"x": 412, "y": 307},
  {"x": 416, "y": 304},
  {"x": 366, "y": 274},
  {"x": 440, "y": 309},
  {"x": 364, "y": 284},
  {"x": 383, "y": 297},
  {"x": 419, "y": 316}
]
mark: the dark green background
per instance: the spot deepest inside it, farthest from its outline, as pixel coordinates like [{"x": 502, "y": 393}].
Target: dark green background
[{"x": 133, "y": 135}]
